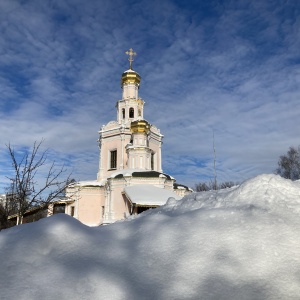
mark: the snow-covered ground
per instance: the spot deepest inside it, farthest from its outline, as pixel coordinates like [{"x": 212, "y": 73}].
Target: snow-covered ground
[{"x": 239, "y": 243}]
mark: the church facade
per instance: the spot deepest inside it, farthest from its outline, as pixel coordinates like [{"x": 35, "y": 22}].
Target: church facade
[{"x": 130, "y": 178}]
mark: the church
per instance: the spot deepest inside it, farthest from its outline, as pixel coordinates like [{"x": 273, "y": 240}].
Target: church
[{"x": 130, "y": 178}]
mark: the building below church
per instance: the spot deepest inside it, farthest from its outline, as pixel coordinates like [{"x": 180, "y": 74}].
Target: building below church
[{"x": 130, "y": 178}]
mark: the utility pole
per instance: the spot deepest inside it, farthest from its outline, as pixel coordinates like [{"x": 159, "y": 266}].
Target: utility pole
[{"x": 215, "y": 170}]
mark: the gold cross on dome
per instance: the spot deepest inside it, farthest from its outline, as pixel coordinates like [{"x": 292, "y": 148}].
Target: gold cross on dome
[{"x": 131, "y": 54}]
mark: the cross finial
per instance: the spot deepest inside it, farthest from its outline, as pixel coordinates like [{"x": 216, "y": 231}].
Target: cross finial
[{"x": 131, "y": 54}]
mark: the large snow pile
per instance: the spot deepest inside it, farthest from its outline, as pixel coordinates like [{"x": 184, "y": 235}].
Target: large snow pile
[{"x": 241, "y": 243}]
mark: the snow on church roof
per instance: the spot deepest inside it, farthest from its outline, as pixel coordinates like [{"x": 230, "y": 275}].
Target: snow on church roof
[
  {"x": 138, "y": 173},
  {"x": 88, "y": 183},
  {"x": 149, "y": 195},
  {"x": 130, "y": 71}
]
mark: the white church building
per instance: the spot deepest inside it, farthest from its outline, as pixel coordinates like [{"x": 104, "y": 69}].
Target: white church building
[{"x": 130, "y": 178}]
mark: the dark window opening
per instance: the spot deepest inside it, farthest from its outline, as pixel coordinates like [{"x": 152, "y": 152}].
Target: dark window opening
[
  {"x": 123, "y": 113},
  {"x": 140, "y": 209},
  {"x": 59, "y": 208},
  {"x": 152, "y": 161},
  {"x": 113, "y": 159},
  {"x": 131, "y": 112},
  {"x": 72, "y": 211}
]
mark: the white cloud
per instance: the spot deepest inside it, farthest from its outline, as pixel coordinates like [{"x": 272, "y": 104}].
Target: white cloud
[{"x": 231, "y": 69}]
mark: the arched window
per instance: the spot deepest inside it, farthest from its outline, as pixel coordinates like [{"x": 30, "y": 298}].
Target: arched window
[
  {"x": 123, "y": 113},
  {"x": 131, "y": 113},
  {"x": 113, "y": 159}
]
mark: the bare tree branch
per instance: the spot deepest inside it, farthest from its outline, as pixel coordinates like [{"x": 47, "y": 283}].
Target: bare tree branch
[{"x": 24, "y": 190}]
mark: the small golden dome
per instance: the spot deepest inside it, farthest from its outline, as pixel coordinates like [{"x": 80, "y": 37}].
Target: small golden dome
[
  {"x": 130, "y": 76},
  {"x": 140, "y": 126}
]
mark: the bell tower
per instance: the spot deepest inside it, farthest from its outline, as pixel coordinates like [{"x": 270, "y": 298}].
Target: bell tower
[
  {"x": 129, "y": 142},
  {"x": 130, "y": 107}
]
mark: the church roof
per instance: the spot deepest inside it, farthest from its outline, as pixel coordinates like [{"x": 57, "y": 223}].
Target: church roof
[
  {"x": 139, "y": 173},
  {"x": 130, "y": 71},
  {"x": 148, "y": 195},
  {"x": 88, "y": 183},
  {"x": 178, "y": 186},
  {"x": 130, "y": 76}
]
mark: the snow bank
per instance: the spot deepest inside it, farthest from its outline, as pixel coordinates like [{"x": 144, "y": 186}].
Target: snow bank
[
  {"x": 267, "y": 192},
  {"x": 240, "y": 243}
]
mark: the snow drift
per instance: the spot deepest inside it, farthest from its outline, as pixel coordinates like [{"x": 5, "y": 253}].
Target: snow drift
[{"x": 239, "y": 243}]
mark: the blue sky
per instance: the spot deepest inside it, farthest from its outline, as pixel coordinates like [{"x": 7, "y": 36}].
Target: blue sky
[{"x": 225, "y": 67}]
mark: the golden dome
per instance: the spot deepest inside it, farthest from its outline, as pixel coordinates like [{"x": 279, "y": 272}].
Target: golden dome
[
  {"x": 130, "y": 76},
  {"x": 140, "y": 126}
]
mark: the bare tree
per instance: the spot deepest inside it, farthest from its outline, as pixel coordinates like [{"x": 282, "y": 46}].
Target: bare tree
[
  {"x": 24, "y": 191},
  {"x": 289, "y": 164},
  {"x": 227, "y": 184},
  {"x": 211, "y": 185},
  {"x": 201, "y": 187}
]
